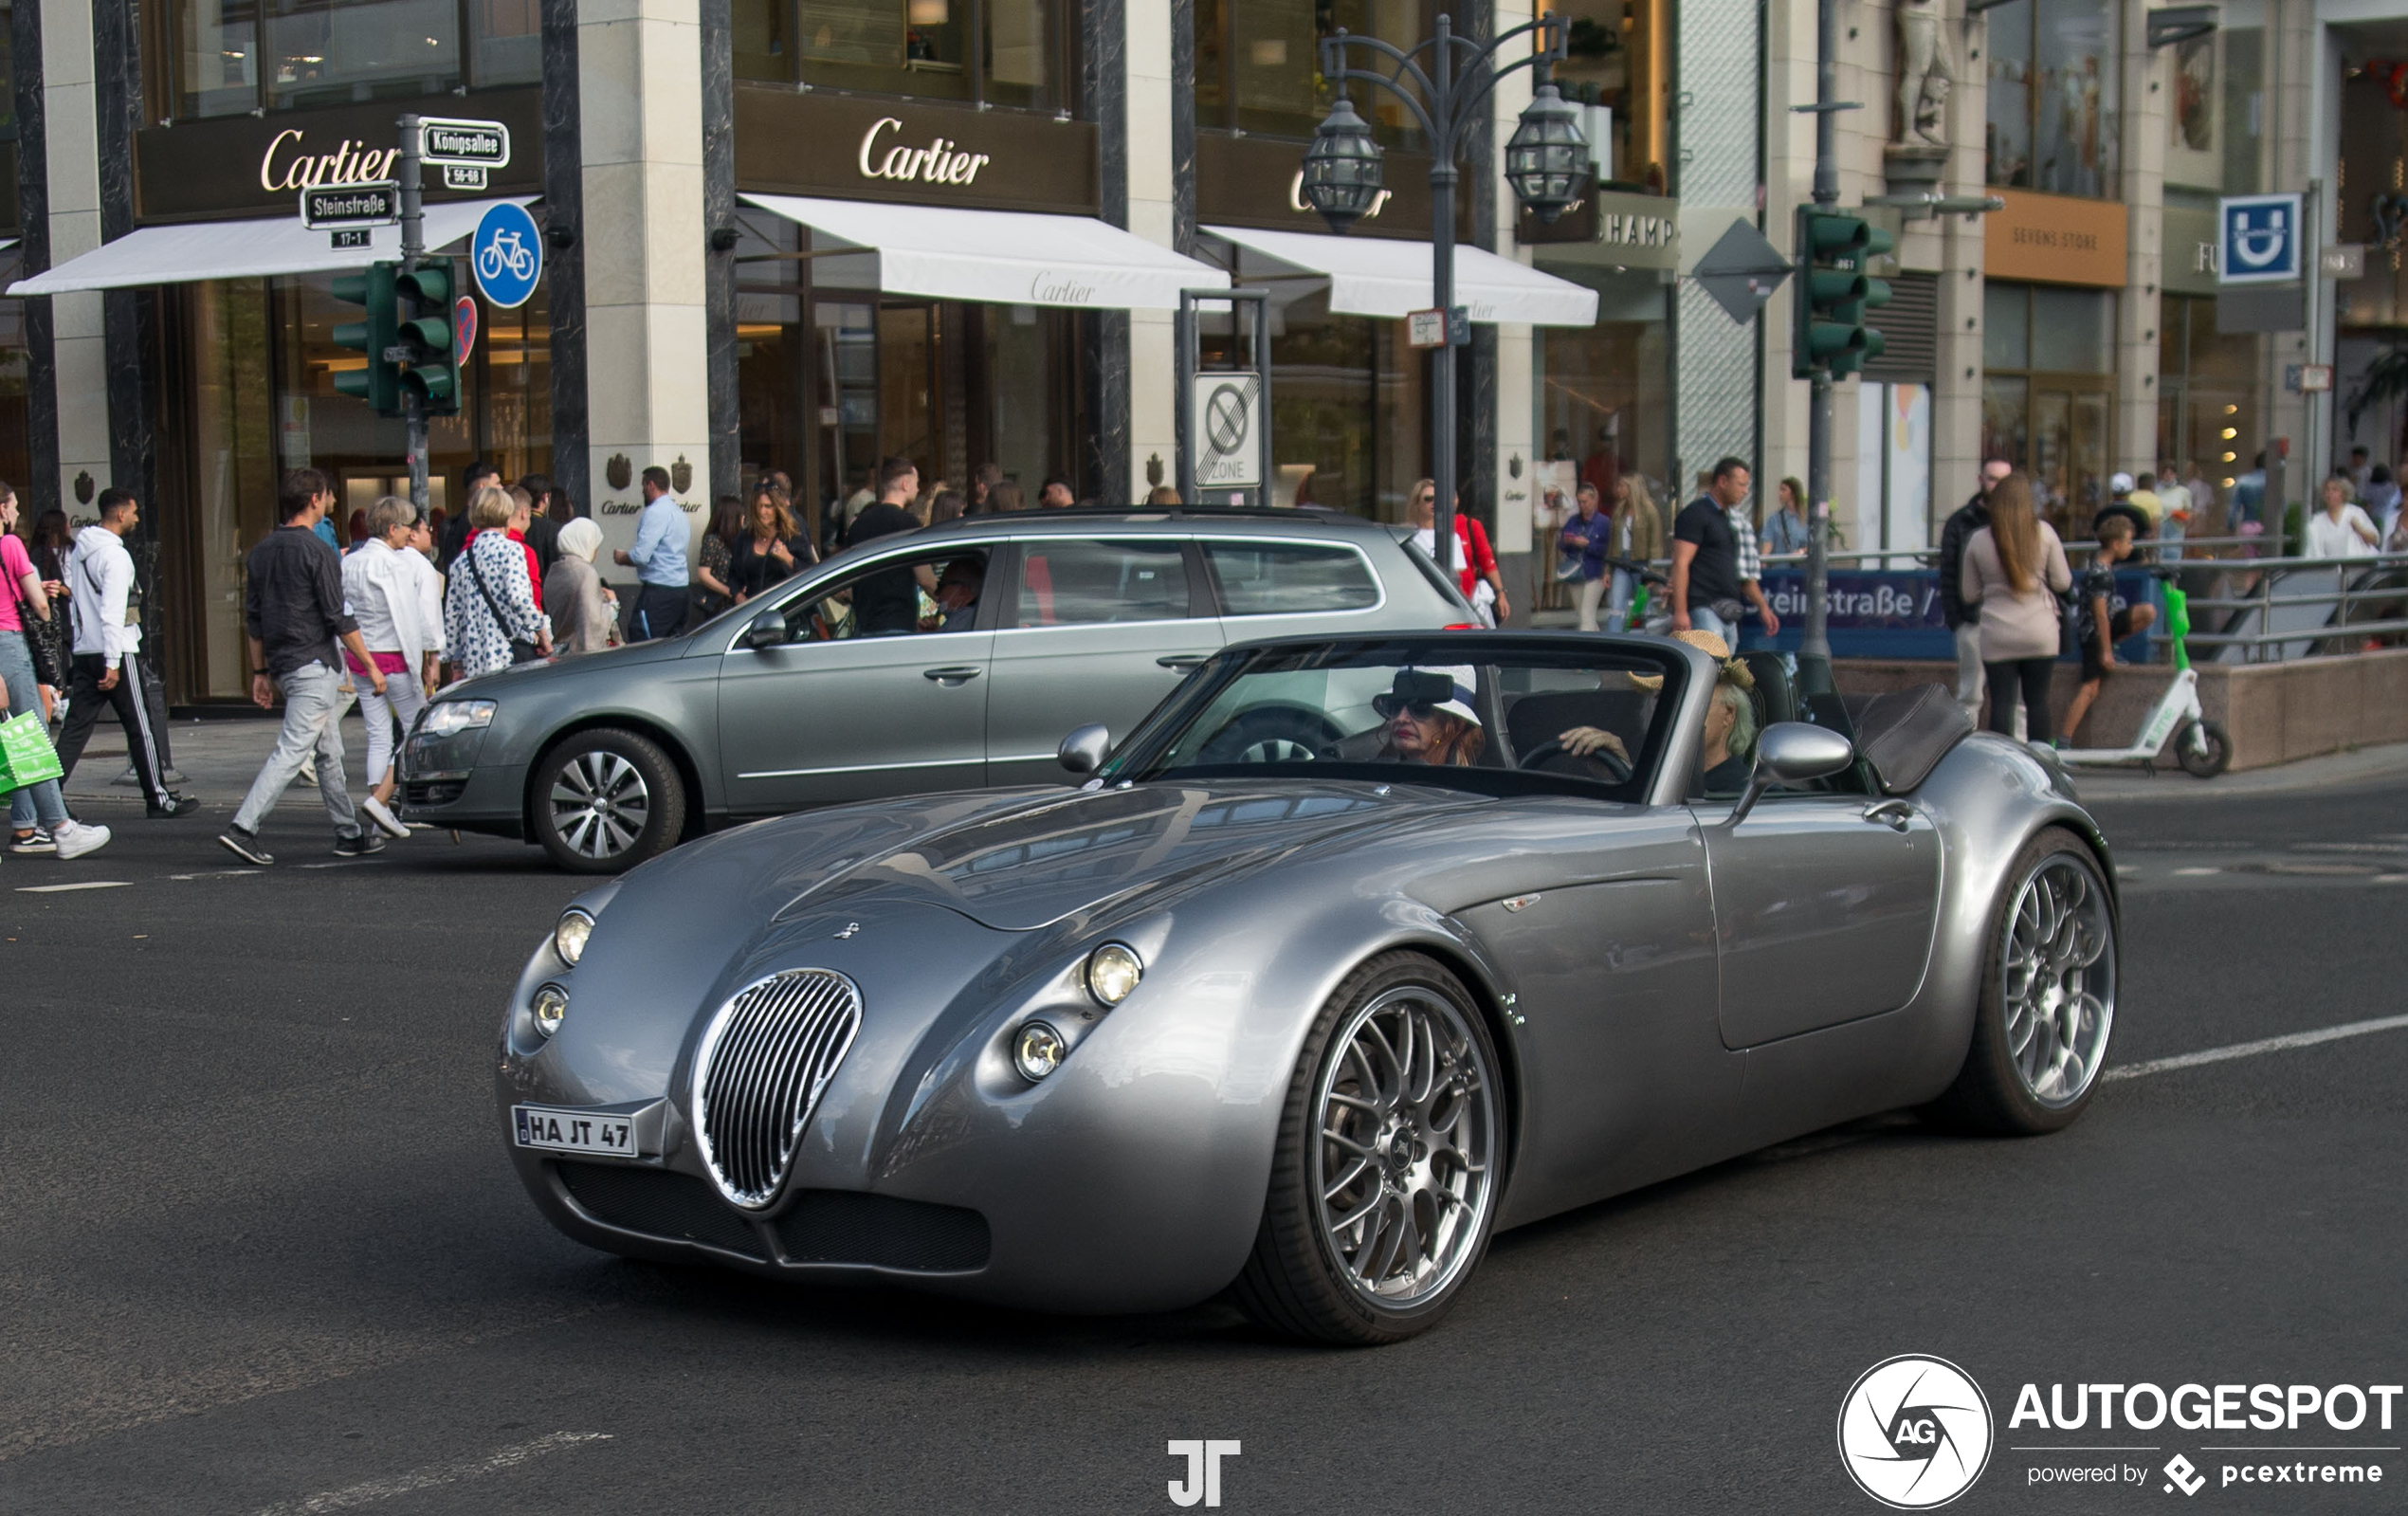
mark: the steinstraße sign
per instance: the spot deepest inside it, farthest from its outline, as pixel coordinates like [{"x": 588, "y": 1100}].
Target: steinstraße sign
[
  {"x": 2055, "y": 239},
  {"x": 345, "y": 205}
]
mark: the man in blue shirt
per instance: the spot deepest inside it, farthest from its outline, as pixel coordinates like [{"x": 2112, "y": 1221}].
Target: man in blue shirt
[{"x": 659, "y": 559}]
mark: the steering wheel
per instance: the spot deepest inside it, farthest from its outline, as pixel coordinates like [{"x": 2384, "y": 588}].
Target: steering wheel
[
  {"x": 1604, "y": 757},
  {"x": 1271, "y": 734}
]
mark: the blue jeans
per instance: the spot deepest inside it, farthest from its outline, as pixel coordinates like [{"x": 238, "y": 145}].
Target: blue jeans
[
  {"x": 1702, "y": 618},
  {"x": 313, "y": 722},
  {"x": 41, "y": 802}
]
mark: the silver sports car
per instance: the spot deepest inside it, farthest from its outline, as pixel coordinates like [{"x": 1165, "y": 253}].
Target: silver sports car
[{"x": 1356, "y": 951}]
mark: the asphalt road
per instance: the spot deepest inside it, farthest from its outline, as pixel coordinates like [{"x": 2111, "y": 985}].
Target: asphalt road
[{"x": 260, "y": 1249}]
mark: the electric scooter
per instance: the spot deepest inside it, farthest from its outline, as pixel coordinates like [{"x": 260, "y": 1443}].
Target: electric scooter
[{"x": 2201, "y": 746}]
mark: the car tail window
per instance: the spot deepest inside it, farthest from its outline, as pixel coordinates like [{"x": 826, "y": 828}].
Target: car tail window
[
  {"x": 1065, "y": 583},
  {"x": 1290, "y": 579}
]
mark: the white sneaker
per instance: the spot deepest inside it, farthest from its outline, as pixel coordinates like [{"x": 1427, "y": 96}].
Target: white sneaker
[
  {"x": 74, "y": 839},
  {"x": 385, "y": 819}
]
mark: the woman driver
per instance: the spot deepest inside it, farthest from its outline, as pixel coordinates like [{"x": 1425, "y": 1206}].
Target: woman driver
[{"x": 1431, "y": 719}]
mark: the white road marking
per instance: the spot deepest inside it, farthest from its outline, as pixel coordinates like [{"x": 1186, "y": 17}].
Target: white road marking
[
  {"x": 2391, "y": 879},
  {"x": 433, "y": 1474},
  {"x": 220, "y": 873},
  {"x": 2250, "y": 1050},
  {"x": 89, "y": 883},
  {"x": 2194, "y": 872}
]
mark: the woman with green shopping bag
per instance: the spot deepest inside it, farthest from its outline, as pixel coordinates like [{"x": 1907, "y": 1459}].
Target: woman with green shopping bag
[{"x": 38, "y": 820}]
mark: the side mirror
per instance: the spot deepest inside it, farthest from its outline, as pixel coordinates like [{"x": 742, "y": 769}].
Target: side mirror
[
  {"x": 767, "y": 630},
  {"x": 1792, "y": 753},
  {"x": 1084, "y": 749}
]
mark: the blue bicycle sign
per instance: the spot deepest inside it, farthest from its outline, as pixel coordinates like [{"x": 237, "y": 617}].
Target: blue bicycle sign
[{"x": 506, "y": 255}]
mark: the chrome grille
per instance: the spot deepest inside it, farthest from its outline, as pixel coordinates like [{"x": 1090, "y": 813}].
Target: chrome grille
[{"x": 764, "y": 1059}]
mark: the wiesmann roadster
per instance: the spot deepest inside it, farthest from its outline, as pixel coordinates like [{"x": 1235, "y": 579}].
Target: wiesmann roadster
[{"x": 1356, "y": 951}]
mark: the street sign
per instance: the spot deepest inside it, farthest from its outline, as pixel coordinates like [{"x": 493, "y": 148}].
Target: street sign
[
  {"x": 472, "y": 144},
  {"x": 1740, "y": 271},
  {"x": 1425, "y": 328},
  {"x": 464, "y": 330},
  {"x": 2307, "y": 378},
  {"x": 357, "y": 237},
  {"x": 2259, "y": 238},
  {"x": 2345, "y": 260},
  {"x": 459, "y": 176},
  {"x": 344, "y": 206},
  {"x": 506, "y": 255},
  {"x": 1227, "y": 419}
]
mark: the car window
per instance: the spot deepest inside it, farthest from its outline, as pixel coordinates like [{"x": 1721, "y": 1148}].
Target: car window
[
  {"x": 1290, "y": 579},
  {"x": 1067, "y": 583},
  {"x": 925, "y": 593}
]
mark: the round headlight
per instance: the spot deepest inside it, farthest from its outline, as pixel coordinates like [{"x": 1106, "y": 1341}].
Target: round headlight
[
  {"x": 568, "y": 938},
  {"x": 1113, "y": 971},
  {"x": 1038, "y": 1051},
  {"x": 549, "y": 1007}
]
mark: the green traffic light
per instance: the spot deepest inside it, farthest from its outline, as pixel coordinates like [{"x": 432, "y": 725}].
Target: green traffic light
[
  {"x": 1834, "y": 293},
  {"x": 372, "y": 289}
]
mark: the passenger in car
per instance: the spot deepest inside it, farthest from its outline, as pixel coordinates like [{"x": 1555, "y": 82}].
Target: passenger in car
[
  {"x": 958, "y": 589},
  {"x": 1432, "y": 718}
]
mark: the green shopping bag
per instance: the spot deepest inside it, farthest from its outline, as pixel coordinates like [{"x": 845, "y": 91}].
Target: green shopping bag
[{"x": 25, "y": 753}]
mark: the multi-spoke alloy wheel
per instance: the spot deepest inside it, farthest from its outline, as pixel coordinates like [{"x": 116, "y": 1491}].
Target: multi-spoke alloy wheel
[
  {"x": 2047, "y": 1010},
  {"x": 1385, "y": 1183},
  {"x": 605, "y": 799},
  {"x": 2060, "y": 982}
]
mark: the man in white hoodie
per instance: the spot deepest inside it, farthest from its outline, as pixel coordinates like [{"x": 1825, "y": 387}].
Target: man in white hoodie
[{"x": 108, "y": 640}]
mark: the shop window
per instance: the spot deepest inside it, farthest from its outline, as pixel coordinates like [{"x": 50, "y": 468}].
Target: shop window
[
  {"x": 1010, "y": 53},
  {"x": 2053, "y": 419},
  {"x": 1348, "y": 409},
  {"x": 2054, "y": 101},
  {"x": 1621, "y": 66},
  {"x": 2216, "y": 125},
  {"x": 229, "y": 57},
  {"x": 1604, "y": 400},
  {"x": 2208, "y": 404},
  {"x": 1258, "y": 64}
]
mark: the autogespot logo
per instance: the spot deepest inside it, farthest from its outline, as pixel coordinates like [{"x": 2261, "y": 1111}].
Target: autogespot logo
[{"x": 1914, "y": 1432}]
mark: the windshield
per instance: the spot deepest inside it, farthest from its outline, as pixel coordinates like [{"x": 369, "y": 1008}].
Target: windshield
[{"x": 1478, "y": 711}]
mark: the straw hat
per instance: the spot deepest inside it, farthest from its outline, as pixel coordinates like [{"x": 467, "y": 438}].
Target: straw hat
[{"x": 1734, "y": 672}]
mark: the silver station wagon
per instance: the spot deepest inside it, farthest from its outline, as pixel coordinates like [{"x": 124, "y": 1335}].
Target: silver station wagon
[{"x": 947, "y": 659}]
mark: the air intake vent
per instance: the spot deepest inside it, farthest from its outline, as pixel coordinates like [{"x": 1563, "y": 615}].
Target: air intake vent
[{"x": 759, "y": 1074}]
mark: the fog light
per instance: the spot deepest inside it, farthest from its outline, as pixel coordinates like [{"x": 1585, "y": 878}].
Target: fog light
[
  {"x": 1038, "y": 1051},
  {"x": 549, "y": 1007},
  {"x": 568, "y": 938},
  {"x": 1113, "y": 971}
]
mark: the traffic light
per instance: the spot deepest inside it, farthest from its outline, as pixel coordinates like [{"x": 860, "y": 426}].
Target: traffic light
[
  {"x": 1834, "y": 250},
  {"x": 371, "y": 288},
  {"x": 422, "y": 330}
]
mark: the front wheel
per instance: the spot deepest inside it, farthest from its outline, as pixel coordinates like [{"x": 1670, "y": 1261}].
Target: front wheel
[
  {"x": 606, "y": 799},
  {"x": 2203, "y": 749},
  {"x": 1385, "y": 1181},
  {"x": 2048, "y": 995}
]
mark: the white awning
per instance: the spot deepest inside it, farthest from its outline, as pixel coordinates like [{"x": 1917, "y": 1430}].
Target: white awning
[
  {"x": 1002, "y": 257},
  {"x": 241, "y": 250},
  {"x": 1382, "y": 276}
]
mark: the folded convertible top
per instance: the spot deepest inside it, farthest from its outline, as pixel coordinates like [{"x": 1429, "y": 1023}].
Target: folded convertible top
[{"x": 1904, "y": 734}]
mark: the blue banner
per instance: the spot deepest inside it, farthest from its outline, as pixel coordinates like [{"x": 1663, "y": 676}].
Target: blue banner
[{"x": 1895, "y": 613}]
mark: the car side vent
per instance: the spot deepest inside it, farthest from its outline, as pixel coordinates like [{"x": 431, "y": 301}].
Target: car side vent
[
  {"x": 764, "y": 1061},
  {"x": 842, "y": 1226},
  {"x": 676, "y": 1207}
]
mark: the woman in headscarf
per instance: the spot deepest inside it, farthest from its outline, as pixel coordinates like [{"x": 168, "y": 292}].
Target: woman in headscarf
[{"x": 584, "y": 615}]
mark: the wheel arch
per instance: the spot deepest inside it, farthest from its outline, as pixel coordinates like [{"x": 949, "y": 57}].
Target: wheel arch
[
  {"x": 1460, "y": 958},
  {"x": 652, "y": 730}
]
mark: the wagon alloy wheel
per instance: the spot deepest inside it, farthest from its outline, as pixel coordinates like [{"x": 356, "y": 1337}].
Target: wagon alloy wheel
[
  {"x": 605, "y": 799},
  {"x": 1385, "y": 1181},
  {"x": 2047, "y": 1007},
  {"x": 2060, "y": 982},
  {"x": 600, "y": 804},
  {"x": 1406, "y": 1132}
]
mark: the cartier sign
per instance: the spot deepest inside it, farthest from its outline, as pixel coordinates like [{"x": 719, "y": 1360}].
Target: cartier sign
[
  {"x": 290, "y": 164},
  {"x": 940, "y": 162},
  {"x": 927, "y": 155}
]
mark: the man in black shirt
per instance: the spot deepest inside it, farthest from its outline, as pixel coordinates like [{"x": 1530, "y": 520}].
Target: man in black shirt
[
  {"x": 1964, "y": 619},
  {"x": 293, "y": 608},
  {"x": 889, "y": 602},
  {"x": 1714, "y": 561}
]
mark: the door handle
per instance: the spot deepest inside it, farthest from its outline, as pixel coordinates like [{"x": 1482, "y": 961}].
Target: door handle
[
  {"x": 953, "y": 675},
  {"x": 1183, "y": 661},
  {"x": 1896, "y": 815}
]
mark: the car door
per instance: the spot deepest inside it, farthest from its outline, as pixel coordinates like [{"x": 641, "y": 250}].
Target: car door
[
  {"x": 1824, "y": 906},
  {"x": 818, "y": 717},
  {"x": 1092, "y": 630}
]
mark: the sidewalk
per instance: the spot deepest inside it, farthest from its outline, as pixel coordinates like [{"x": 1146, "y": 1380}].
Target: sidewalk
[
  {"x": 2333, "y": 771},
  {"x": 219, "y": 759}
]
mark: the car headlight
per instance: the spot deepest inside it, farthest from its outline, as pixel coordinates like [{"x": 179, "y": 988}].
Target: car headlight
[
  {"x": 568, "y": 937},
  {"x": 444, "y": 717},
  {"x": 549, "y": 1007},
  {"x": 1112, "y": 973},
  {"x": 1038, "y": 1051}
]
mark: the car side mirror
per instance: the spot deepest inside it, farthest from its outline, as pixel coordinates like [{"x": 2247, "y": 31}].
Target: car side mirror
[
  {"x": 1792, "y": 753},
  {"x": 767, "y": 630},
  {"x": 1084, "y": 749}
]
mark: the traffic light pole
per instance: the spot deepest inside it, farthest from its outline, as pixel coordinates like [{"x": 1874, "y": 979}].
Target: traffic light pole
[
  {"x": 414, "y": 245},
  {"x": 1813, "y": 648}
]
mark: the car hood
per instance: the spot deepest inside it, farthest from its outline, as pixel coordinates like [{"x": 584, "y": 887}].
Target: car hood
[
  {"x": 490, "y": 687},
  {"x": 1025, "y": 866}
]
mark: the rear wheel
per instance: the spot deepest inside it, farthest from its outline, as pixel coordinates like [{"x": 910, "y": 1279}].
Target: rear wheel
[
  {"x": 2202, "y": 749},
  {"x": 1385, "y": 1181},
  {"x": 606, "y": 799},
  {"x": 2048, "y": 995}
]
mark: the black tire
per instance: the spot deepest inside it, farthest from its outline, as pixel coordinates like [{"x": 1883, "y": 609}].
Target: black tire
[
  {"x": 633, "y": 801},
  {"x": 1994, "y": 1094},
  {"x": 1296, "y": 1281},
  {"x": 1268, "y": 734},
  {"x": 2206, "y": 765}
]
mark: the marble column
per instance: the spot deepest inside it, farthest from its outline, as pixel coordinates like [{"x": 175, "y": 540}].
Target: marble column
[
  {"x": 1154, "y": 184},
  {"x": 1511, "y": 450},
  {"x": 718, "y": 229},
  {"x": 130, "y": 317},
  {"x": 564, "y": 252},
  {"x": 41, "y": 492},
  {"x": 1101, "y": 469},
  {"x": 640, "y": 121},
  {"x": 1183, "y": 109},
  {"x": 78, "y": 331}
]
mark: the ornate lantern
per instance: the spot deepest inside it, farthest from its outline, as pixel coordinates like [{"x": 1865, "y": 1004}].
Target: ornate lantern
[
  {"x": 1547, "y": 157},
  {"x": 1341, "y": 168}
]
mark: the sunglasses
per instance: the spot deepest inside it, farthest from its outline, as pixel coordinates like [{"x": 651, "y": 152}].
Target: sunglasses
[{"x": 1388, "y": 705}]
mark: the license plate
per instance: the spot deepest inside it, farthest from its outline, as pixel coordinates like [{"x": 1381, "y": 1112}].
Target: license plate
[{"x": 574, "y": 1131}]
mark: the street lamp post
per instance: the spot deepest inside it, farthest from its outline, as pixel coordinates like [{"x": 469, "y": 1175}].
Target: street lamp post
[{"x": 1445, "y": 83}]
